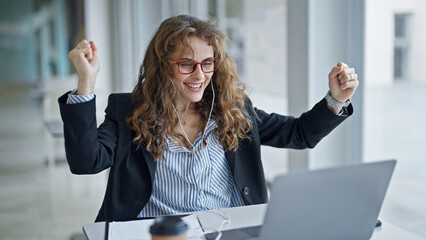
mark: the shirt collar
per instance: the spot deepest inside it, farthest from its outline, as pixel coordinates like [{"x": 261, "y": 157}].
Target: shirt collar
[
  {"x": 211, "y": 125},
  {"x": 174, "y": 146}
]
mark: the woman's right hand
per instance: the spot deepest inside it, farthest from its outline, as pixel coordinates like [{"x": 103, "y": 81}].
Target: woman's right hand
[{"x": 85, "y": 59}]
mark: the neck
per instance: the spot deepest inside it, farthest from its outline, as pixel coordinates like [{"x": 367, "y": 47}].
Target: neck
[{"x": 185, "y": 107}]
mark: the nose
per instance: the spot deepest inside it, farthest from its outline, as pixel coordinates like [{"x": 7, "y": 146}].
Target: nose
[{"x": 198, "y": 72}]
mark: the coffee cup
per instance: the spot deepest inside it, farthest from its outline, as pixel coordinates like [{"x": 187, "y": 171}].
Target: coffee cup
[{"x": 168, "y": 228}]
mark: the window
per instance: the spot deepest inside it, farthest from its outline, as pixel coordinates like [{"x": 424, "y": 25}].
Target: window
[
  {"x": 394, "y": 121},
  {"x": 401, "y": 47}
]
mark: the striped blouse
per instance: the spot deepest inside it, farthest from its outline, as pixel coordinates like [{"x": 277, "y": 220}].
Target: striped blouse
[{"x": 188, "y": 180}]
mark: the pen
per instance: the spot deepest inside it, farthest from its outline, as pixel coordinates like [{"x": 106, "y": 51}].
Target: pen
[{"x": 106, "y": 229}]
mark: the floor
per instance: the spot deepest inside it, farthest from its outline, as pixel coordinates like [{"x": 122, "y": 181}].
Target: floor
[{"x": 40, "y": 201}]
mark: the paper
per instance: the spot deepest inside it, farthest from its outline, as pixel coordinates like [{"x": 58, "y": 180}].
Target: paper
[{"x": 139, "y": 229}]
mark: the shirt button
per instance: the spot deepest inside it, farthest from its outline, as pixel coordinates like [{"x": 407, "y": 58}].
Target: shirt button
[
  {"x": 246, "y": 191},
  {"x": 202, "y": 193}
]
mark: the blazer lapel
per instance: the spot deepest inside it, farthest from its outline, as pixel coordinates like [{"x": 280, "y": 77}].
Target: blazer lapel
[
  {"x": 141, "y": 152},
  {"x": 150, "y": 162},
  {"x": 230, "y": 156}
]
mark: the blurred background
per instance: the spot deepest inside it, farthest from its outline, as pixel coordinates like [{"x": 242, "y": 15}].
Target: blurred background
[{"x": 283, "y": 50}]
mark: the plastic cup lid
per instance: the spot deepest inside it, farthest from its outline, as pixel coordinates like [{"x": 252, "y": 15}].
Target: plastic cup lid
[{"x": 168, "y": 226}]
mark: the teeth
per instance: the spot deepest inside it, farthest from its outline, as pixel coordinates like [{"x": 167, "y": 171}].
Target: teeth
[{"x": 195, "y": 86}]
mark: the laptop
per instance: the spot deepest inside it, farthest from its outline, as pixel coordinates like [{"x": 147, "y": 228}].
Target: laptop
[{"x": 328, "y": 204}]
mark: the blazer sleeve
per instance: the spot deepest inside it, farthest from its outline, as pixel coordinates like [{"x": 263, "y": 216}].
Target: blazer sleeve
[
  {"x": 88, "y": 149},
  {"x": 298, "y": 133}
]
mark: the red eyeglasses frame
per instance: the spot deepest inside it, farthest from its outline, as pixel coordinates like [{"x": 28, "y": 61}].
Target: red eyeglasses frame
[{"x": 215, "y": 61}]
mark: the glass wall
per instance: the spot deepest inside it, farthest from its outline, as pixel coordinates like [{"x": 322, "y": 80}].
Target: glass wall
[
  {"x": 258, "y": 45},
  {"x": 35, "y": 37},
  {"x": 394, "y": 106}
]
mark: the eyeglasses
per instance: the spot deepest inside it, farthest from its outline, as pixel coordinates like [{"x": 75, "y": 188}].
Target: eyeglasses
[{"x": 188, "y": 66}]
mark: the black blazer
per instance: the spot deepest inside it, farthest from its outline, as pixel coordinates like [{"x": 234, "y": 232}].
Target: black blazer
[{"x": 91, "y": 150}]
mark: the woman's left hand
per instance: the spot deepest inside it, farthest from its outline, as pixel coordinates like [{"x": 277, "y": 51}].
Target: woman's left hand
[{"x": 342, "y": 81}]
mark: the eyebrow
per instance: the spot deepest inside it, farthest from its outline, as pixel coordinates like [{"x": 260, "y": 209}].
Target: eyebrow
[{"x": 189, "y": 59}]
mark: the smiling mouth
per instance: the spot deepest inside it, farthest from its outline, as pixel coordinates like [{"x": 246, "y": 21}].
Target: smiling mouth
[{"x": 194, "y": 86}]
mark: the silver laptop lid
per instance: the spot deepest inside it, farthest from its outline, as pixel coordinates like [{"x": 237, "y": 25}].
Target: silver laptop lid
[{"x": 334, "y": 203}]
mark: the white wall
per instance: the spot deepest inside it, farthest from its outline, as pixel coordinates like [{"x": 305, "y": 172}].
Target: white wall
[
  {"x": 336, "y": 34},
  {"x": 379, "y": 43},
  {"x": 380, "y": 38},
  {"x": 320, "y": 35}
]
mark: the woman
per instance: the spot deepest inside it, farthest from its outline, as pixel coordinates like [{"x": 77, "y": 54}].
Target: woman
[{"x": 187, "y": 138}]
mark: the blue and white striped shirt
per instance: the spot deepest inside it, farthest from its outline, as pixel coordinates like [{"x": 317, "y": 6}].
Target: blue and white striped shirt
[
  {"x": 73, "y": 98},
  {"x": 188, "y": 180}
]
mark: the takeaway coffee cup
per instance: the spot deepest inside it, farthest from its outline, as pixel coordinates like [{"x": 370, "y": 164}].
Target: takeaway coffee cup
[{"x": 168, "y": 228}]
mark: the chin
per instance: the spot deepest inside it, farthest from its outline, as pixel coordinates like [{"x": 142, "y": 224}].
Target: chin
[
  {"x": 195, "y": 100},
  {"x": 195, "y": 97}
]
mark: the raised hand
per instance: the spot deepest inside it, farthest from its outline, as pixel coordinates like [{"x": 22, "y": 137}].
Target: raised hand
[
  {"x": 343, "y": 82},
  {"x": 85, "y": 60}
]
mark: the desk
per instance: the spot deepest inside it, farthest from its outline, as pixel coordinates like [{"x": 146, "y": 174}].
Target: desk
[{"x": 251, "y": 216}]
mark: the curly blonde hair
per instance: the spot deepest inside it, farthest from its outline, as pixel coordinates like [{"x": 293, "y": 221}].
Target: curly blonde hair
[{"x": 153, "y": 117}]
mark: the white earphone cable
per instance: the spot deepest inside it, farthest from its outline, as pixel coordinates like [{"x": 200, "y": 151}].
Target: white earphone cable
[{"x": 208, "y": 120}]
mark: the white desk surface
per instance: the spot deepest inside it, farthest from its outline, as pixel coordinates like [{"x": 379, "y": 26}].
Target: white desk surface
[{"x": 252, "y": 216}]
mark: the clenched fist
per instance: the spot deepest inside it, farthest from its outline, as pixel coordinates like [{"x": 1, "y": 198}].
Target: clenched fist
[
  {"x": 85, "y": 59},
  {"x": 343, "y": 82}
]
